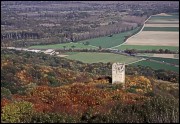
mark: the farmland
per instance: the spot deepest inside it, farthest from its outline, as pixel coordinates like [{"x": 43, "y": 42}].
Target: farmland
[
  {"x": 156, "y": 65},
  {"x": 156, "y": 35},
  {"x": 89, "y": 57},
  {"x": 155, "y": 38}
]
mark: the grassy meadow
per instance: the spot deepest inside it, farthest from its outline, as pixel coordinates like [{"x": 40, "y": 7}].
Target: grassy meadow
[{"x": 92, "y": 57}]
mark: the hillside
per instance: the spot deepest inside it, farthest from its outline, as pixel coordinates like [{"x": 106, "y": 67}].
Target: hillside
[{"x": 48, "y": 89}]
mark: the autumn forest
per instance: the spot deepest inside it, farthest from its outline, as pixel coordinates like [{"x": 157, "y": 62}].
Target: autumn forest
[{"x": 36, "y": 87}]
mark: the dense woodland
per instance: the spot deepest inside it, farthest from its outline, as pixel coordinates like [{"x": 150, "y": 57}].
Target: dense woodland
[{"x": 36, "y": 87}]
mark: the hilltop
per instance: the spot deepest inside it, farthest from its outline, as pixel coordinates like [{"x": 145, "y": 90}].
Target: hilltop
[{"x": 47, "y": 87}]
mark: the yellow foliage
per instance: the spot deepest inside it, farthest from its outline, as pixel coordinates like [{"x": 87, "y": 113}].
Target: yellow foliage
[{"x": 140, "y": 83}]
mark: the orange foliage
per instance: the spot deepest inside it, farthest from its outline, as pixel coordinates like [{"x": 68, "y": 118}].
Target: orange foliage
[
  {"x": 5, "y": 63},
  {"x": 24, "y": 77},
  {"x": 4, "y": 102}
]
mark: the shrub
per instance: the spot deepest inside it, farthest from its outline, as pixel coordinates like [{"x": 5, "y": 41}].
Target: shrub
[{"x": 17, "y": 112}]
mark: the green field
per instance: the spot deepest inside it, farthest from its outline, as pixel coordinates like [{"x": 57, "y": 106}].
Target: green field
[
  {"x": 168, "y": 60},
  {"x": 175, "y": 29},
  {"x": 156, "y": 65},
  {"x": 141, "y": 47},
  {"x": 93, "y": 57},
  {"x": 107, "y": 42},
  {"x": 61, "y": 46}
]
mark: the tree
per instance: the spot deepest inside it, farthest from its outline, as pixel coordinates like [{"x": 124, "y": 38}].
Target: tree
[
  {"x": 53, "y": 118},
  {"x": 5, "y": 93},
  {"x": 86, "y": 43},
  {"x": 167, "y": 51},
  {"x": 160, "y": 50},
  {"x": 73, "y": 47},
  {"x": 64, "y": 47},
  {"x": 72, "y": 37}
]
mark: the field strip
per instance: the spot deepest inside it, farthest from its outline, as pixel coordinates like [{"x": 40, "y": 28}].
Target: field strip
[
  {"x": 162, "y": 22},
  {"x": 133, "y": 35},
  {"x": 136, "y": 61},
  {"x": 88, "y": 45},
  {"x": 150, "y": 38},
  {"x": 163, "y": 62},
  {"x": 161, "y": 25},
  {"x": 165, "y": 56}
]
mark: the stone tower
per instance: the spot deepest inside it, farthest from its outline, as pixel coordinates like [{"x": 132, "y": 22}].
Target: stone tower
[{"x": 118, "y": 73}]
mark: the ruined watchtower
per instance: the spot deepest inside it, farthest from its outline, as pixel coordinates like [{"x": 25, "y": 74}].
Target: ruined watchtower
[{"x": 118, "y": 73}]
